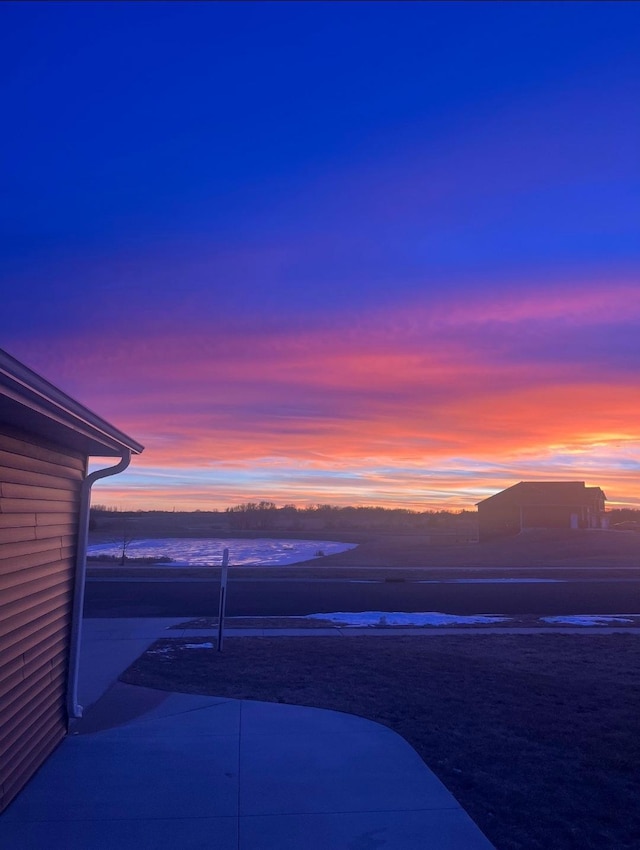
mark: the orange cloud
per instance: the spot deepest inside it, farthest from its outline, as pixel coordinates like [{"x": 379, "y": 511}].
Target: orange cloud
[{"x": 446, "y": 398}]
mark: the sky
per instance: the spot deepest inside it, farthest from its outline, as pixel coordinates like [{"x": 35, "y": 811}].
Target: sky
[{"x": 336, "y": 253}]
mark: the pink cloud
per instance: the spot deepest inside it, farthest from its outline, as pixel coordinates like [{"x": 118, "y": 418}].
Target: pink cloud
[{"x": 411, "y": 387}]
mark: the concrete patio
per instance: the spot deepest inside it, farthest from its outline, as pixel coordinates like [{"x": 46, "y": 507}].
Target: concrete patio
[{"x": 150, "y": 769}]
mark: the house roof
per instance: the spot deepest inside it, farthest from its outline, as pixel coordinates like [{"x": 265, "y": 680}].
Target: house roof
[
  {"x": 30, "y": 403},
  {"x": 547, "y": 493}
]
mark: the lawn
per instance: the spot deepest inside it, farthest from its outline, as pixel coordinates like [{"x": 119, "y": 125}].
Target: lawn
[{"x": 538, "y": 737}]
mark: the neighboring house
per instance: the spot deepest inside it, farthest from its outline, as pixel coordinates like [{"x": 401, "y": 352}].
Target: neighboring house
[
  {"x": 46, "y": 439},
  {"x": 541, "y": 504}
]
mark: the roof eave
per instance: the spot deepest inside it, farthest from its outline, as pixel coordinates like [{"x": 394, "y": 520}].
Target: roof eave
[{"x": 32, "y": 402}]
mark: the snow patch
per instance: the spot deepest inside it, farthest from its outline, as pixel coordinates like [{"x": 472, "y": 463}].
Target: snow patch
[
  {"x": 400, "y": 618},
  {"x": 503, "y": 581},
  {"x": 591, "y": 619}
]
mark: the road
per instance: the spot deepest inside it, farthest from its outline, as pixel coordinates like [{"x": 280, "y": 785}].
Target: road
[{"x": 274, "y": 597}]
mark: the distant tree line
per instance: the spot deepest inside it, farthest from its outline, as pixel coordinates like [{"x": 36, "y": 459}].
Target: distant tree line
[
  {"x": 267, "y": 516},
  {"x": 623, "y": 515}
]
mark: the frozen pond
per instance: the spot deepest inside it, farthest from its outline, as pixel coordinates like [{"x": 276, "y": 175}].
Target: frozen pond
[{"x": 190, "y": 552}]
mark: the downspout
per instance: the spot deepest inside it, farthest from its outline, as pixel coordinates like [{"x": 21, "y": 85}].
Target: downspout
[{"x": 73, "y": 709}]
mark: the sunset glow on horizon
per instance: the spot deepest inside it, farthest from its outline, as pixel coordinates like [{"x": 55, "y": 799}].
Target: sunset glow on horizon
[{"x": 348, "y": 275}]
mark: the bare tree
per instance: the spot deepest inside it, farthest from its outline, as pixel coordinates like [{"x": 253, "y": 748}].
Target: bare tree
[{"x": 125, "y": 538}]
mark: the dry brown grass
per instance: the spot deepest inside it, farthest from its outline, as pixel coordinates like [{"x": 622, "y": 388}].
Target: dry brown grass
[
  {"x": 532, "y": 548},
  {"x": 537, "y": 737}
]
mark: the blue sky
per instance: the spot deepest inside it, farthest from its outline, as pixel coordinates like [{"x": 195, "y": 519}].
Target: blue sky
[{"x": 199, "y": 197}]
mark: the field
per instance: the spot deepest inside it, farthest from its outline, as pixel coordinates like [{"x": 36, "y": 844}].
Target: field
[
  {"x": 381, "y": 555},
  {"x": 537, "y": 737},
  {"x": 533, "y": 548}
]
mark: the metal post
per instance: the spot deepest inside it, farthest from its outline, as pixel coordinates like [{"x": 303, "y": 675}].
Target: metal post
[{"x": 223, "y": 597}]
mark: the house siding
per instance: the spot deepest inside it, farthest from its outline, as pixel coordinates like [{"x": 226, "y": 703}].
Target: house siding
[
  {"x": 498, "y": 520},
  {"x": 550, "y": 516},
  {"x": 39, "y": 502}
]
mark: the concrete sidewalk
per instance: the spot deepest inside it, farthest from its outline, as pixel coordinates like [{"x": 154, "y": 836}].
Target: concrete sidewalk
[{"x": 151, "y": 770}]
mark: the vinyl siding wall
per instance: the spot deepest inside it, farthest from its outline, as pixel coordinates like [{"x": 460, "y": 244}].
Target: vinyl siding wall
[{"x": 39, "y": 501}]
